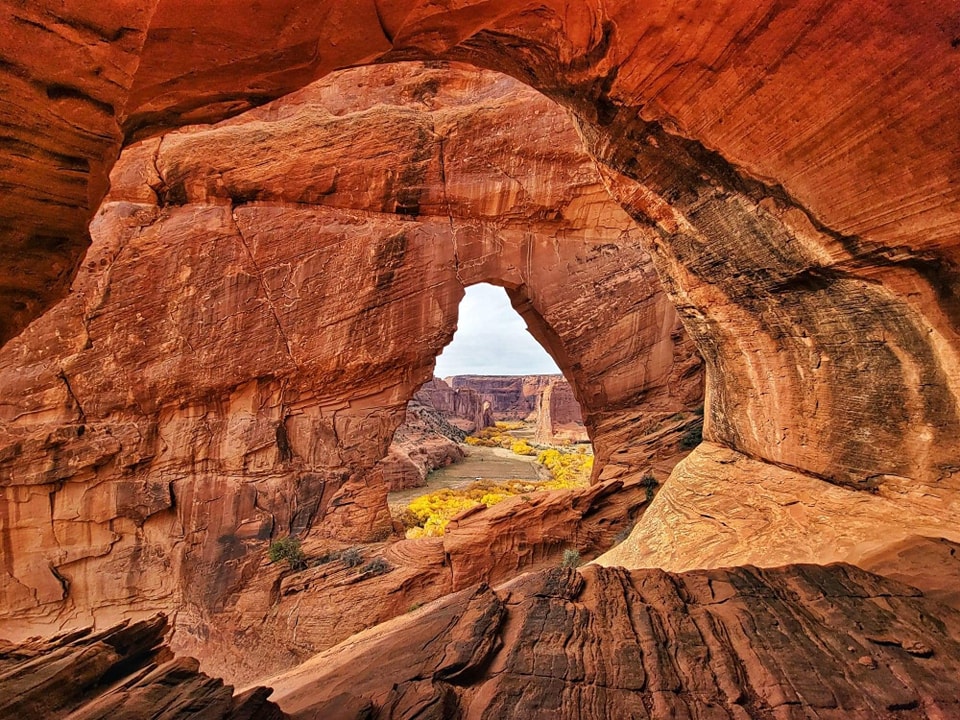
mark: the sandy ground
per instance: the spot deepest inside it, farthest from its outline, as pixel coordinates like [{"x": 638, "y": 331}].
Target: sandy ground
[{"x": 480, "y": 463}]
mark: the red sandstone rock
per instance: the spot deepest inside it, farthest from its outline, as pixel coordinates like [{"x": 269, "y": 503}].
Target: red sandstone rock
[
  {"x": 464, "y": 407},
  {"x": 809, "y": 237},
  {"x": 425, "y": 442},
  {"x": 283, "y": 617},
  {"x": 124, "y": 672},
  {"x": 607, "y": 642},
  {"x": 511, "y": 397},
  {"x": 247, "y": 330},
  {"x": 558, "y": 415}
]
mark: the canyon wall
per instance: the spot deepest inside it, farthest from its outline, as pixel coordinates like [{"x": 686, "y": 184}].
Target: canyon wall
[
  {"x": 463, "y": 406},
  {"x": 558, "y": 415},
  {"x": 792, "y": 168},
  {"x": 511, "y": 397},
  {"x": 262, "y": 300}
]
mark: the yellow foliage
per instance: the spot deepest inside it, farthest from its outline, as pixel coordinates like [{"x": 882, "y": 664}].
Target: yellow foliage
[
  {"x": 433, "y": 511},
  {"x": 569, "y": 469},
  {"x": 522, "y": 447},
  {"x": 512, "y": 425}
]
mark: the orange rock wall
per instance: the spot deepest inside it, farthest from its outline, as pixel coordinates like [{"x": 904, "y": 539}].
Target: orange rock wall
[
  {"x": 262, "y": 300},
  {"x": 793, "y": 167}
]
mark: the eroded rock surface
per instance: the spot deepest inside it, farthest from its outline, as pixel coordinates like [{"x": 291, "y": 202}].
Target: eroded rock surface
[
  {"x": 834, "y": 642},
  {"x": 558, "y": 415},
  {"x": 463, "y": 407},
  {"x": 284, "y": 616},
  {"x": 262, "y": 300},
  {"x": 426, "y": 441},
  {"x": 124, "y": 672}
]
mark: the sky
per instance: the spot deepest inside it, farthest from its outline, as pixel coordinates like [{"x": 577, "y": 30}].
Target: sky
[{"x": 492, "y": 339}]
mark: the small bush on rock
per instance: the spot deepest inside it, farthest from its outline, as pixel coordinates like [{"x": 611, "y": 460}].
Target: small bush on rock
[
  {"x": 288, "y": 549},
  {"x": 377, "y": 566},
  {"x": 571, "y": 558},
  {"x": 351, "y": 557}
]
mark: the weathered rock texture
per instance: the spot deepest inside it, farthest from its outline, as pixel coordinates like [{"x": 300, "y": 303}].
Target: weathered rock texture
[
  {"x": 425, "y": 442},
  {"x": 801, "y": 641},
  {"x": 511, "y": 397},
  {"x": 794, "y": 164},
  {"x": 558, "y": 414},
  {"x": 721, "y": 508},
  {"x": 284, "y": 616},
  {"x": 464, "y": 406},
  {"x": 124, "y": 672},
  {"x": 262, "y": 300}
]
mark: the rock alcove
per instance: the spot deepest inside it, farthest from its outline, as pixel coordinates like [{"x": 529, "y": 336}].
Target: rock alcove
[
  {"x": 261, "y": 301},
  {"x": 790, "y": 172}
]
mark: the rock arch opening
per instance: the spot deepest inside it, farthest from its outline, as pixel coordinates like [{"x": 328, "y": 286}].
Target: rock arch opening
[{"x": 258, "y": 307}]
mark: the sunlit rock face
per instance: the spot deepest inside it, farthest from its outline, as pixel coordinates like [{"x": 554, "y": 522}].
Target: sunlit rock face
[
  {"x": 794, "y": 166},
  {"x": 261, "y": 301}
]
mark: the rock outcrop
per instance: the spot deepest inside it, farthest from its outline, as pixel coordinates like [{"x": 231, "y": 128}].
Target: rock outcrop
[
  {"x": 558, "y": 415},
  {"x": 425, "y": 442},
  {"x": 286, "y": 615},
  {"x": 793, "y": 167},
  {"x": 809, "y": 238},
  {"x": 511, "y": 397},
  {"x": 800, "y": 641},
  {"x": 262, "y": 300},
  {"x": 464, "y": 407},
  {"x": 123, "y": 672}
]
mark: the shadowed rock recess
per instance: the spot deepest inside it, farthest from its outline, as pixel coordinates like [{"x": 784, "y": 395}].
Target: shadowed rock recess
[{"x": 749, "y": 208}]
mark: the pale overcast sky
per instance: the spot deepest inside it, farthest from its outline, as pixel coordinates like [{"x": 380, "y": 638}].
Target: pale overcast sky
[{"x": 492, "y": 339}]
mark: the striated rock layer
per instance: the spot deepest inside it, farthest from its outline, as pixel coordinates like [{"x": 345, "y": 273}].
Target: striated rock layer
[
  {"x": 263, "y": 299},
  {"x": 511, "y": 397},
  {"x": 123, "y": 672},
  {"x": 793, "y": 164},
  {"x": 463, "y": 407},
  {"x": 425, "y": 442},
  {"x": 800, "y": 641},
  {"x": 558, "y": 415},
  {"x": 285, "y": 615}
]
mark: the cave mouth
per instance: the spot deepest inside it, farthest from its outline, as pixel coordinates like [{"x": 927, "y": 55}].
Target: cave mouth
[{"x": 498, "y": 419}]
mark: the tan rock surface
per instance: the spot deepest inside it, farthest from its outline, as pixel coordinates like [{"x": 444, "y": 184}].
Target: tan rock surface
[
  {"x": 721, "y": 508},
  {"x": 257, "y": 311}
]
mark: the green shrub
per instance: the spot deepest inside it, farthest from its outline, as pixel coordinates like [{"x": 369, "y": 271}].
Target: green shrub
[
  {"x": 351, "y": 557},
  {"x": 692, "y": 437},
  {"x": 649, "y": 482},
  {"x": 571, "y": 558},
  {"x": 377, "y": 566},
  {"x": 288, "y": 549}
]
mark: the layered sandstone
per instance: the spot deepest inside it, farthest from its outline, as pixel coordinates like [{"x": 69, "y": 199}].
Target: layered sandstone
[
  {"x": 800, "y": 641},
  {"x": 425, "y": 442},
  {"x": 263, "y": 299},
  {"x": 511, "y": 397},
  {"x": 286, "y": 615},
  {"x": 558, "y": 415},
  {"x": 464, "y": 407},
  {"x": 794, "y": 166},
  {"x": 124, "y": 672}
]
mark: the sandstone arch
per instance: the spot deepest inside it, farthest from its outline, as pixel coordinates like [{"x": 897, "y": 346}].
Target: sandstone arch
[
  {"x": 706, "y": 117},
  {"x": 302, "y": 283}
]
